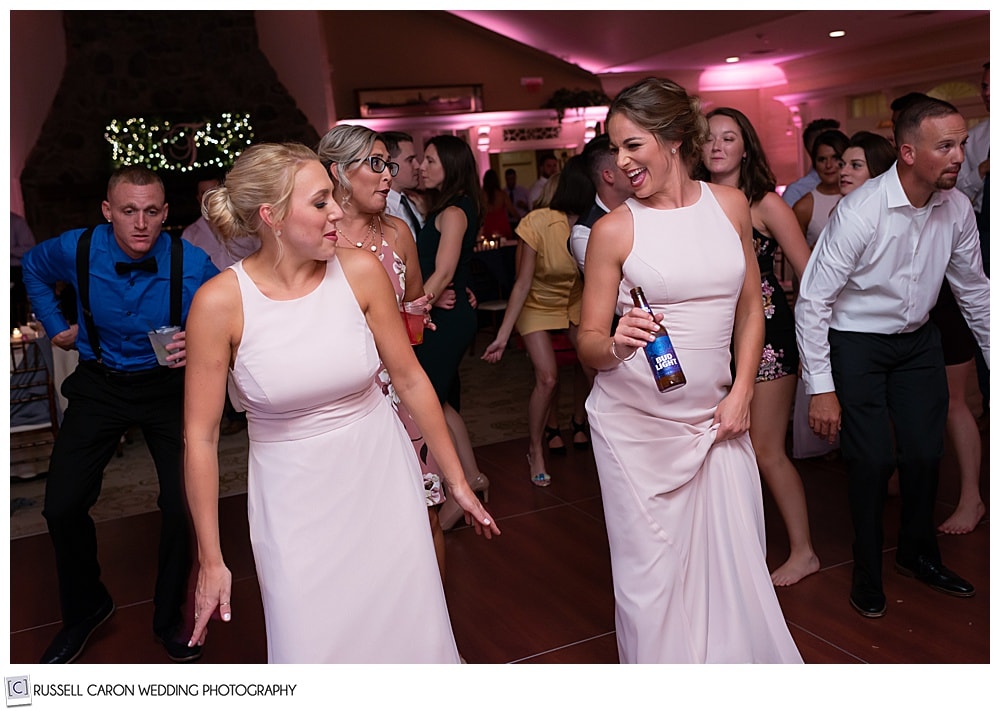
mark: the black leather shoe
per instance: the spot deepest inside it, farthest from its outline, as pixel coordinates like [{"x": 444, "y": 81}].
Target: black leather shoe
[
  {"x": 868, "y": 603},
  {"x": 936, "y": 576},
  {"x": 179, "y": 651},
  {"x": 70, "y": 641}
]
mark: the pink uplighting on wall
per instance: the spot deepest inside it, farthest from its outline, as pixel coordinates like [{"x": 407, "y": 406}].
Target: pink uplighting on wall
[{"x": 735, "y": 77}]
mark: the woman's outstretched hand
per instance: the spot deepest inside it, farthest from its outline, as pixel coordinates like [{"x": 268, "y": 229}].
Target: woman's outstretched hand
[
  {"x": 476, "y": 514},
  {"x": 494, "y": 351},
  {"x": 215, "y": 584}
]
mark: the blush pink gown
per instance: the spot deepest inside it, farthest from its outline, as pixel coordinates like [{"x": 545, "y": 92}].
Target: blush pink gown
[
  {"x": 338, "y": 522},
  {"x": 684, "y": 514}
]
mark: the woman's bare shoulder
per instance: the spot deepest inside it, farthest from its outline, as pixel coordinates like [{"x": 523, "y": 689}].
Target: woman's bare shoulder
[
  {"x": 620, "y": 217},
  {"x": 728, "y": 196},
  {"x": 220, "y": 292},
  {"x": 358, "y": 263}
]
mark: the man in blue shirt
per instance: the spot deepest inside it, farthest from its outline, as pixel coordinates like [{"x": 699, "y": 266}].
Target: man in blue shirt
[{"x": 135, "y": 280}]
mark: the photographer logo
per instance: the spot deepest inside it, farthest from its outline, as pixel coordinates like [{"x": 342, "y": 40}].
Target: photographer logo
[{"x": 18, "y": 690}]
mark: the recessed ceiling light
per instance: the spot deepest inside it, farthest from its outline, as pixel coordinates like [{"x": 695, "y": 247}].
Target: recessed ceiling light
[
  {"x": 837, "y": 33},
  {"x": 731, "y": 60}
]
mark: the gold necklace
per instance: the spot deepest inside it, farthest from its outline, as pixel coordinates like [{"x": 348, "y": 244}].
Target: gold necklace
[{"x": 368, "y": 240}]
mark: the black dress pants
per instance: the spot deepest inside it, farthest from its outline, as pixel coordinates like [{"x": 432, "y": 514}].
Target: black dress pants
[
  {"x": 101, "y": 407},
  {"x": 893, "y": 395}
]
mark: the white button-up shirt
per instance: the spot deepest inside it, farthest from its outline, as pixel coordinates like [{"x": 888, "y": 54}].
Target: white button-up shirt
[
  {"x": 394, "y": 207},
  {"x": 878, "y": 268},
  {"x": 977, "y": 149}
]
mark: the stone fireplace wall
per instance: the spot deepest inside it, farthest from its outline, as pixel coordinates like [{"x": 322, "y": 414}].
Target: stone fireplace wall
[{"x": 179, "y": 65}]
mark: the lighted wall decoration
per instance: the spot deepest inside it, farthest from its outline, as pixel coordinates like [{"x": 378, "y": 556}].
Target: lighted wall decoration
[{"x": 160, "y": 144}]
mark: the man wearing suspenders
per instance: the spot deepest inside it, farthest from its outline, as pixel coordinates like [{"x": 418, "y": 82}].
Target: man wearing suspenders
[{"x": 130, "y": 278}]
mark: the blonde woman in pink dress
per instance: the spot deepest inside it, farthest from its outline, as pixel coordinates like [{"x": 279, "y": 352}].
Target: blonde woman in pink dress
[
  {"x": 335, "y": 499},
  {"x": 679, "y": 481}
]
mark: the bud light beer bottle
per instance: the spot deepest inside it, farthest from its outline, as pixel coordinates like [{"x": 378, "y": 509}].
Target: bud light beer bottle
[{"x": 660, "y": 353}]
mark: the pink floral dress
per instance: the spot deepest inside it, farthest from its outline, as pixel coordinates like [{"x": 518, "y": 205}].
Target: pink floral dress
[{"x": 433, "y": 489}]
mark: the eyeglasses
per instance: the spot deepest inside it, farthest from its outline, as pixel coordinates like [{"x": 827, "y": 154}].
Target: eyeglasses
[{"x": 379, "y": 164}]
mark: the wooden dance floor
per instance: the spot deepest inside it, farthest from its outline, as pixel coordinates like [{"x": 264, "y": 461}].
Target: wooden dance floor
[{"x": 541, "y": 593}]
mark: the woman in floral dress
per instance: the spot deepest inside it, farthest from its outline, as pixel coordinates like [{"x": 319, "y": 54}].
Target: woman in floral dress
[{"x": 733, "y": 155}]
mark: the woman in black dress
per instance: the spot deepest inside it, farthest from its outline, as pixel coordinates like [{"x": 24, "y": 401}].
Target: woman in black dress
[
  {"x": 733, "y": 155},
  {"x": 444, "y": 247}
]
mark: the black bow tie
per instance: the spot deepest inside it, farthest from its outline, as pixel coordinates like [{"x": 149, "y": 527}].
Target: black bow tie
[{"x": 146, "y": 265}]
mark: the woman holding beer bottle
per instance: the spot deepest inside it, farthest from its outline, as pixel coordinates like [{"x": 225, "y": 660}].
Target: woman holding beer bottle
[{"x": 679, "y": 481}]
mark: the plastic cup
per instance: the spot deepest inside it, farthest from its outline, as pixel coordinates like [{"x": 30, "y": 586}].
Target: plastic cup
[
  {"x": 414, "y": 327},
  {"x": 160, "y": 338}
]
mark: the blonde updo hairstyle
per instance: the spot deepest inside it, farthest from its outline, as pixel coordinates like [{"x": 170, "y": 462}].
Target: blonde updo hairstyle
[
  {"x": 666, "y": 110},
  {"x": 264, "y": 174},
  {"x": 342, "y": 146}
]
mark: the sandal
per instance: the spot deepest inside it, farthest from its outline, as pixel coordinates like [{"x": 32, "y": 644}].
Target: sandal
[
  {"x": 580, "y": 428},
  {"x": 550, "y": 434},
  {"x": 539, "y": 479}
]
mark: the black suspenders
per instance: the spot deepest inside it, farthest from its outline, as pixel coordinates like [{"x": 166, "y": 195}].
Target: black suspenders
[{"x": 83, "y": 285}]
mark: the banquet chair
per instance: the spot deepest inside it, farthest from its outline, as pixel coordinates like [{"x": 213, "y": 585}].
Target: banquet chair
[{"x": 34, "y": 414}]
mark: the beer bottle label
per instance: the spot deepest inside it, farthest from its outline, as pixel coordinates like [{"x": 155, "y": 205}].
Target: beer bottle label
[{"x": 662, "y": 358}]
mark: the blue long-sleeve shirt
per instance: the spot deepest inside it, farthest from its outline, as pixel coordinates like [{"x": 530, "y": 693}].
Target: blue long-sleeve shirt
[{"x": 125, "y": 306}]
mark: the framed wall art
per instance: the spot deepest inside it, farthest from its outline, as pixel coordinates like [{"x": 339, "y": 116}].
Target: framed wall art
[{"x": 420, "y": 101}]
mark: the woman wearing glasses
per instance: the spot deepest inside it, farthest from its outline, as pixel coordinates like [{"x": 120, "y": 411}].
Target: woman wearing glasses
[{"x": 358, "y": 162}]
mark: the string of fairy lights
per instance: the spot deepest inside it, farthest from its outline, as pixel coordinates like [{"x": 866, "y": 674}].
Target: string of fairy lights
[{"x": 160, "y": 144}]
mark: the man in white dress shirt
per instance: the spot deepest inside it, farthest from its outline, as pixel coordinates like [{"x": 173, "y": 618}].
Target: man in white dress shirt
[
  {"x": 612, "y": 187},
  {"x": 977, "y": 152},
  {"x": 402, "y": 151},
  {"x": 973, "y": 180},
  {"x": 872, "y": 361}
]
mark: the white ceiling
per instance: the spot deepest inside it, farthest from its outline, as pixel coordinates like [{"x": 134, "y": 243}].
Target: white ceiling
[{"x": 625, "y": 41}]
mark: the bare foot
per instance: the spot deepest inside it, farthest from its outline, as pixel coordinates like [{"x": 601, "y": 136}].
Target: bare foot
[
  {"x": 964, "y": 519},
  {"x": 794, "y": 569}
]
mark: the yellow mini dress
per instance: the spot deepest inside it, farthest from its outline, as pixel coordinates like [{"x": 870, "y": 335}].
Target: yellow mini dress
[{"x": 556, "y": 288}]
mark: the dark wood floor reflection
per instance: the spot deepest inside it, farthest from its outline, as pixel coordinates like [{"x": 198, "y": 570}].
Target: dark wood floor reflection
[{"x": 542, "y": 591}]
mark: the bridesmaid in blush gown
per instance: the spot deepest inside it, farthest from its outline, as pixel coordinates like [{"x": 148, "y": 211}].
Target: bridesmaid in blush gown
[
  {"x": 338, "y": 522},
  {"x": 680, "y": 486}
]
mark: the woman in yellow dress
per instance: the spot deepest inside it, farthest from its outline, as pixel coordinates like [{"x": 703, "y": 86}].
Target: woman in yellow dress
[{"x": 545, "y": 297}]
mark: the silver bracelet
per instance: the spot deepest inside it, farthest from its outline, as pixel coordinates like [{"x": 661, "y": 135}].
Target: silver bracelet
[{"x": 615, "y": 353}]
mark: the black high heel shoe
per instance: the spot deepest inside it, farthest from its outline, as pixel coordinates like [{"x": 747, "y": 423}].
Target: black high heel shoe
[
  {"x": 550, "y": 434},
  {"x": 580, "y": 428}
]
